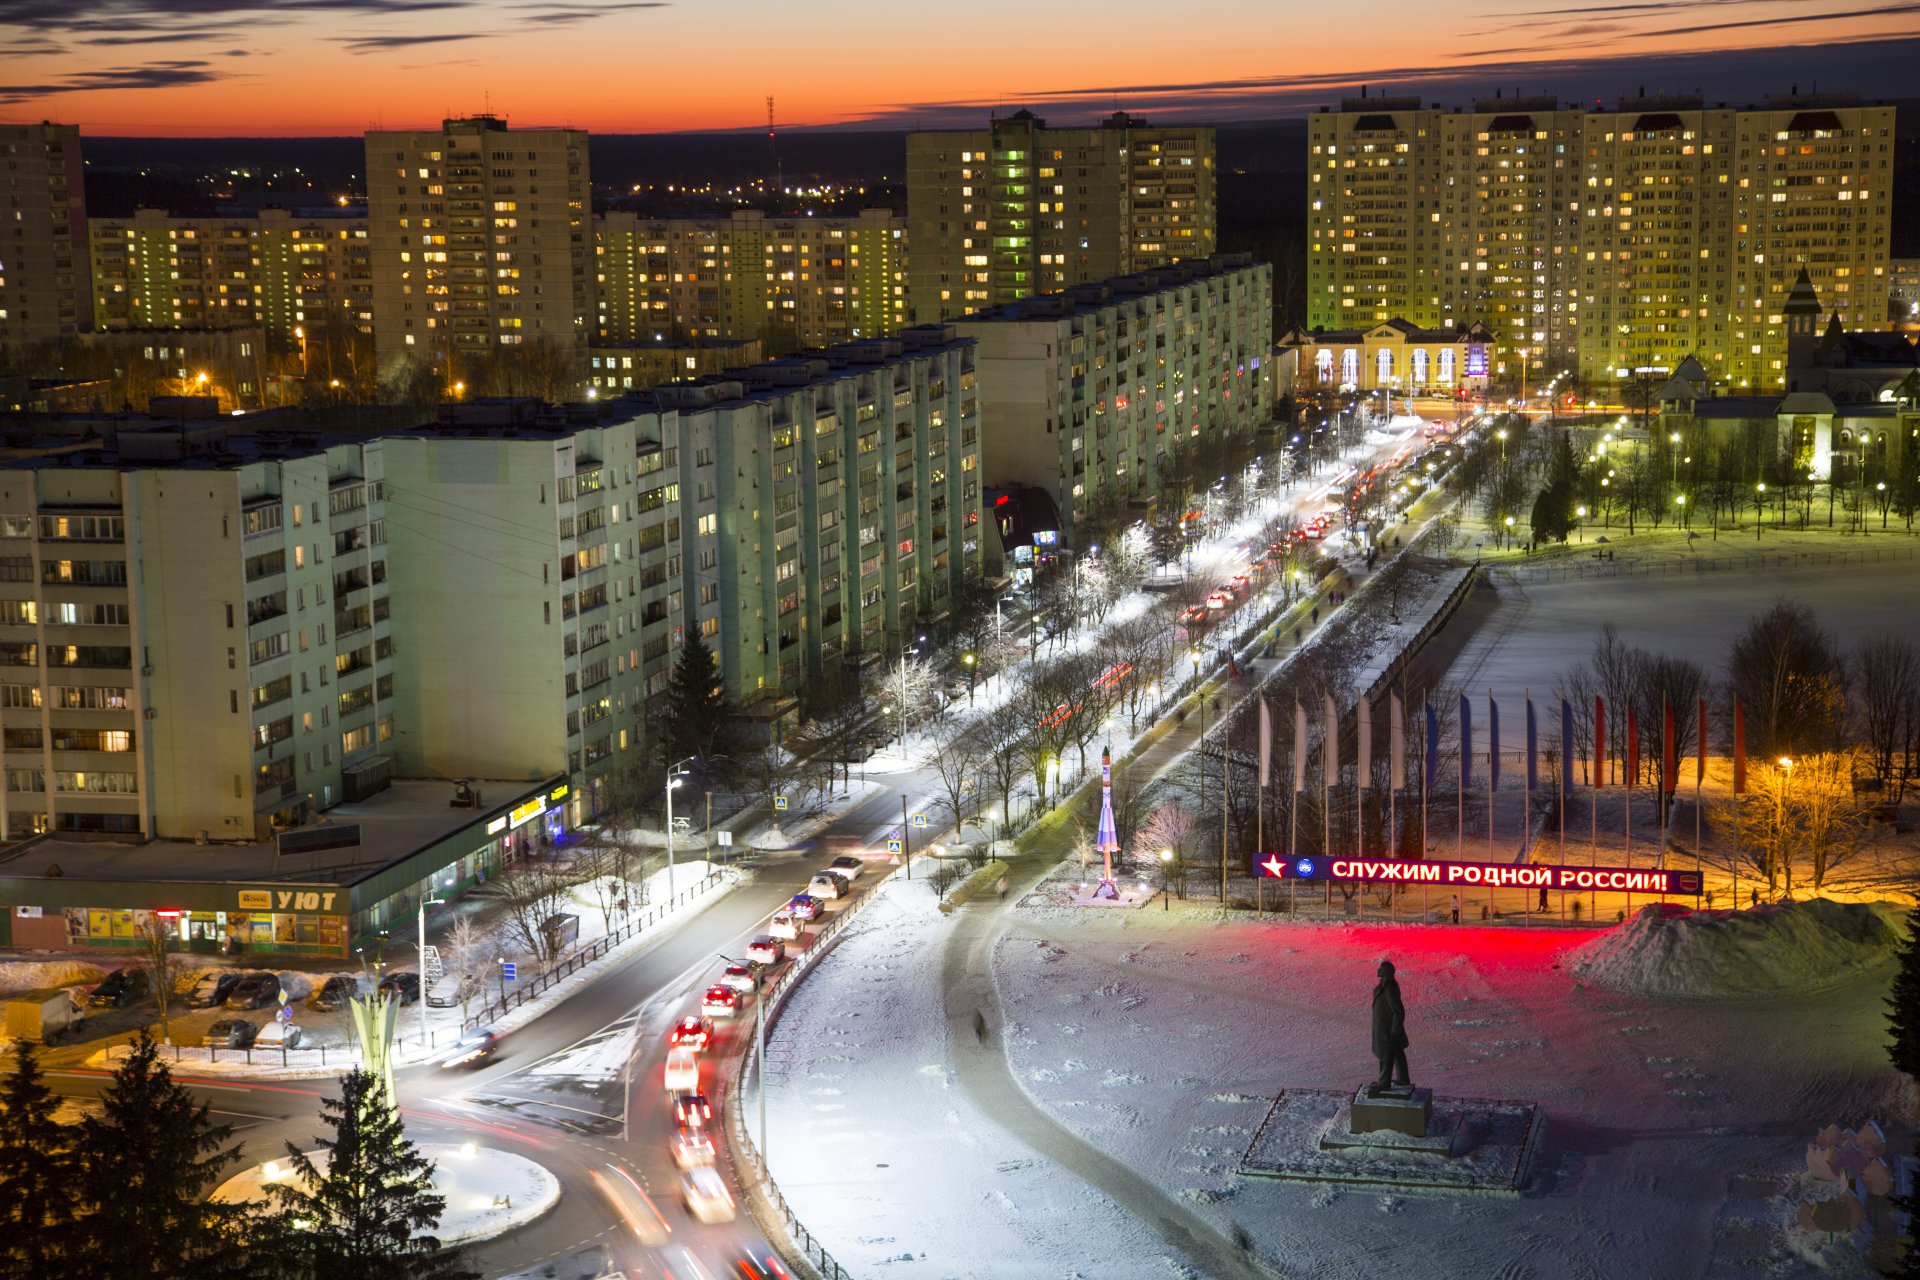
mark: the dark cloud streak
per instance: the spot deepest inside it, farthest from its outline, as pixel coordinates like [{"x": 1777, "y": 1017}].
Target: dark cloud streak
[
  {"x": 170, "y": 74},
  {"x": 383, "y": 44}
]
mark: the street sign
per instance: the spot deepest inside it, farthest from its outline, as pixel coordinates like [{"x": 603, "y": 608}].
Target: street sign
[
  {"x": 284, "y": 1015},
  {"x": 682, "y": 823},
  {"x": 919, "y": 819},
  {"x": 507, "y": 968},
  {"x": 779, "y": 802},
  {"x": 893, "y": 846},
  {"x": 724, "y": 839}
]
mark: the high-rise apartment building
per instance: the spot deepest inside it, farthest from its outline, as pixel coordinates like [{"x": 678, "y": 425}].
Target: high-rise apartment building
[
  {"x": 482, "y": 241},
  {"x": 290, "y": 272},
  {"x": 1612, "y": 242},
  {"x": 1016, "y": 209},
  {"x": 43, "y": 235},
  {"x": 1086, "y": 392},
  {"x": 790, "y": 282}
]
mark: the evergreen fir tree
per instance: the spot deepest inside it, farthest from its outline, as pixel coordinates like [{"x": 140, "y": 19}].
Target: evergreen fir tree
[
  {"x": 364, "y": 1217},
  {"x": 145, "y": 1168},
  {"x": 36, "y": 1158},
  {"x": 694, "y": 710},
  {"x": 1903, "y": 1005}
]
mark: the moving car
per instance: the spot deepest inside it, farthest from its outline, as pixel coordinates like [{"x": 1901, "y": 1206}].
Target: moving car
[
  {"x": 739, "y": 977},
  {"x": 214, "y": 988},
  {"x": 333, "y": 993},
  {"x": 253, "y": 991},
  {"x": 472, "y": 1048},
  {"x": 692, "y": 1148},
  {"x": 826, "y": 886},
  {"x": 785, "y": 927},
  {"x": 682, "y": 1071},
  {"x": 691, "y": 1032},
  {"x": 230, "y": 1033},
  {"x": 849, "y": 866},
  {"x": 119, "y": 988},
  {"x": 804, "y": 906},
  {"x": 720, "y": 1002},
  {"x": 692, "y": 1110},
  {"x": 706, "y": 1196},
  {"x": 404, "y": 987},
  {"x": 766, "y": 950},
  {"x": 279, "y": 1035}
]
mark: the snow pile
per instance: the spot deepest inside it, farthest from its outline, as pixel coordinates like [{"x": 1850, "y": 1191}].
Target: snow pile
[
  {"x": 32, "y": 975},
  {"x": 1668, "y": 950}
]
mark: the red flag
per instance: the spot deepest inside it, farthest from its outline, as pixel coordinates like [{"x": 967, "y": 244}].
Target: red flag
[
  {"x": 1599, "y": 742},
  {"x": 1700, "y": 747},
  {"x": 1739, "y": 749},
  {"x": 1669, "y": 762},
  {"x": 1633, "y": 747}
]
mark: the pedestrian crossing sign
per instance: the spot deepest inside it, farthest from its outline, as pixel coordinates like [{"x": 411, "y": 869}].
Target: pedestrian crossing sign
[
  {"x": 893, "y": 846},
  {"x": 779, "y": 802},
  {"x": 919, "y": 819}
]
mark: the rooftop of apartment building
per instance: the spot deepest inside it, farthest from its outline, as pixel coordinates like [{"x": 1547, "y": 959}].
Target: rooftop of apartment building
[
  {"x": 365, "y": 836},
  {"x": 774, "y": 378},
  {"x": 1643, "y": 101},
  {"x": 1083, "y": 298}
]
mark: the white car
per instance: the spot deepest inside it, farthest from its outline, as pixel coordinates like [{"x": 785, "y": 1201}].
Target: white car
[
  {"x": 848, "y": 866},
  {"x": 279, "y": 1035},
  {"x": 766, "y": 950},
  {"x": 692, "y": 1149},
  {"x": 683, "y": 1071},
  {"x": 706, "y": 1195},
  {"x": 825, "y": 886},
  {"x": 784, "y": 927}
]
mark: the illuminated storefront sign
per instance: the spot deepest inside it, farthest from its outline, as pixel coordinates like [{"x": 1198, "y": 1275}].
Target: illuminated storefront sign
[
  {"x": 525, "y": 813},
  {"x": 1493, "y": 875},
  {"x": 558, "y": 793},
  {"x": 498, "y": 825}
]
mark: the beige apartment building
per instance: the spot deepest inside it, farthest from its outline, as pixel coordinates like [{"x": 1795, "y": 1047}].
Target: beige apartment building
[
  {"x": 1610, "y": 242},
  {"x": 789, "y": 282},
  {"x": 43, "y": 235},
  {"x": 288, "y": 271},
  {"x": 481, "y": 241},
  {"x": 1087, "y": 391},
  {"x": 1017, "y": 208}
]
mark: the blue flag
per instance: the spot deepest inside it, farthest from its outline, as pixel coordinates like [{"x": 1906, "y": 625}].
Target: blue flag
[
  {"x": 1566, "y": 745},
  {"x": 1493, "y": 743},
  {"x": 1466, "y": 742},
  {"x": 1433, "y": 749},
  {"x": 1533, "y": 749}
]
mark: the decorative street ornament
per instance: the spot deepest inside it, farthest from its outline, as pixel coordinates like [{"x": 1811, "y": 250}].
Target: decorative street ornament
[
  {"x": 374, "y": 1019},
  {"x": 1108, "y": 838}
]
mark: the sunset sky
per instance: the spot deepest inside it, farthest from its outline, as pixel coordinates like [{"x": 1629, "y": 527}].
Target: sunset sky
[{"x": 331, "y": 67}]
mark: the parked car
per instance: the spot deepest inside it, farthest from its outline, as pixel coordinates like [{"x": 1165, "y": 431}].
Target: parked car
[
  {"x": 706, "y": 1196},
  {"x": 404, "y": 987},
  {"x": 826, "y": 886},
  {"x": 848, "y": 866},
  {"x": 450, "y": 990},
  {"x": 692, "y": 1110},
  {"x": 682, "y": 1073},
  {"x": 804, "y": 906},
  {"x": 785, "y": 927},
  {"x": 720, "y": 1002},
  {"x": 766, "y": 950},
  {"x": 333, "y": 993},
  {"x": 739, "y": 977},
  {"x": 253, "y": 991},
  {"x": 214, "y": 987},
  {"x": 692, "y": 1148},
  {"x": 691, "y": 1032},
  {"x": 279, "y": 1035},
  {"x": 120, "y": 988},
  {"x": 472, "y": 1048},
  {"x": 230, "y": 1033}
]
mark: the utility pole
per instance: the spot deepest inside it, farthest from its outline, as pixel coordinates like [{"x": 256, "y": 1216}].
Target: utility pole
[{"x": 906, "y": 837}]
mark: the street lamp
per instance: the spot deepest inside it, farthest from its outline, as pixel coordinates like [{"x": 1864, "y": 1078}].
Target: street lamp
[
  {"x": 675, "y": 776},
  {"x": 1166, "y": 878},
  {"x": 1780, "y": 815},
  {"x": 1580, "y": 514},
  {"x": 422, "y": 919},
  {"x": 904, "y": 654},
  {"x": 1509, "y": 530},
  {"x": 967, "y": 660}
]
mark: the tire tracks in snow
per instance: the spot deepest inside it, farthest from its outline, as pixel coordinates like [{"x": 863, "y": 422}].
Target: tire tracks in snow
[{"x": 974, "y": 1026}]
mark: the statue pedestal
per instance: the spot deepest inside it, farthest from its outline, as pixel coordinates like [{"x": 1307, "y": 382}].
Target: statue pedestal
[{"x": 1402, "y": 1110}]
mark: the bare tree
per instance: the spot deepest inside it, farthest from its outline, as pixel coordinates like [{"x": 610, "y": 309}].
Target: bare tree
[
  {"x": 531, "y": 892},
  {"x": 606, "y": 864},
  {"x": 1807, "y": 810},
  {"x": 1887, "y": 678},
  {"x": 959, "y": 751},
  {"x": 157, "y": 938},
  {"x": 1791, "y": 681},
  {"x": 468, "y": 954}
]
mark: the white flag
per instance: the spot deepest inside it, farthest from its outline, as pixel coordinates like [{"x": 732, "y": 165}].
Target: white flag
[
  {"x": 1330, "y": 749},
  {"x": 1266, "y": 742},
  {"x": 1299, "y": 747},
  {"x": 1396, "y": 743},
  {"x": 1366, "y": 745}
]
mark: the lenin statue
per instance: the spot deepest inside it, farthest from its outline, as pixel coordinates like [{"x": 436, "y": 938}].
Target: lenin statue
[{"x": 1389, "y": 1032}]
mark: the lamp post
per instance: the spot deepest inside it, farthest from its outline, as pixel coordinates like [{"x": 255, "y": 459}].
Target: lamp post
[
  {"x": 1579, "y": 516},
  {"x": 1780, "y": 820},
  {"x": 675, "y": 776},
  {"x": 1166, "y": 878},
  {"x": 1674, "y": 440},
  {"x": 1509, "y": 531},
  {"x": 422, "y": 920},
  {"x": 1759, "y": 508},
  {"x": 967, "y": 660},
  {"x": 904, "y": 654}
]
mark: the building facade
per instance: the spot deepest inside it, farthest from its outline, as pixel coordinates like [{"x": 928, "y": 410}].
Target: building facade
[
  {"x": 1087, "y": 391},
  {"x": 481, "y": 240},
  {"x": 1394, "y": 356},
  {"x": 43, "y": 245},
  {"x": 1612, "y": 242},
  {"x": 789, "y": 282},
  {"x": 1016, "y": 209}
]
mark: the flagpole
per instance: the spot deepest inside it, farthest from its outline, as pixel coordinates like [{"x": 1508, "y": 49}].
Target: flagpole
[
  {"x": 1526, "y": 813},
  {"x": 1260, "y": 843}
]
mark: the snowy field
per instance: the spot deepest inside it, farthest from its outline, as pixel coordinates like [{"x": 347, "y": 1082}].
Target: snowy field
[{"x": 1675, "y": 1129}]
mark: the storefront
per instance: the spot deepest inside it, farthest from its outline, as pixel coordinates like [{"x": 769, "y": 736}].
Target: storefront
[{"x": 207, "y": 919}]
